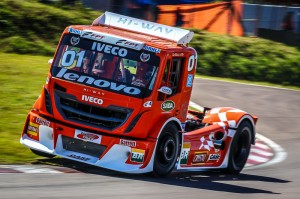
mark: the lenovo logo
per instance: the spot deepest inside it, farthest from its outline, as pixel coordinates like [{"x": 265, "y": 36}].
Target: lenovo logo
[{"x": 97, "y": 83}]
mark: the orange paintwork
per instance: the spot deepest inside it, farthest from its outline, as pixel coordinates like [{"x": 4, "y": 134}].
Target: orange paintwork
[{"x": 105, "y": 112}]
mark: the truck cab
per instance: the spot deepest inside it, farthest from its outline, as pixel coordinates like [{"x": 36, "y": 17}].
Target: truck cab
[
  {"x": 120, "y": 81},
  {"x": 120, "y": 85}
]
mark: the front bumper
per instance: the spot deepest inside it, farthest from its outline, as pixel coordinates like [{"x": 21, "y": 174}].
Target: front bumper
[{"x": 124, "y": 155}]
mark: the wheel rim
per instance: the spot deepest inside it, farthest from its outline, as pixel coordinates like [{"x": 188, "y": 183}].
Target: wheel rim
[{"x": 167, "y": 151}]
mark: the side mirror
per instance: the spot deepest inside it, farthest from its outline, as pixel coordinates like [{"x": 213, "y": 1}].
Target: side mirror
[
  {"x": 165, "y": 90},
  {"x": 50, "y": 61}
]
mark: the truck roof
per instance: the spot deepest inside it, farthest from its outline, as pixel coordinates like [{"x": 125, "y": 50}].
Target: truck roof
[{"x": 137, "y": 31}]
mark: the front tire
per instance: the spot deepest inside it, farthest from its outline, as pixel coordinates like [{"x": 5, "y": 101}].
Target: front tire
[
  {"x": 240, "y": 148},
  {"x": 39, "y": 153},
  {"x": 167, "y": 151}
]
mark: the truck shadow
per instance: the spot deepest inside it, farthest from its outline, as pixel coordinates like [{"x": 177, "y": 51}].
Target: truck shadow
[{"x": 208, "y": 180}]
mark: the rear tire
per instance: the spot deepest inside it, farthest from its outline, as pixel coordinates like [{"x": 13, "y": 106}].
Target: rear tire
[
  {"x": 240, "y": 148},
  {"x": 167, "y": 151},
  {"x": 39, "y": 153}
]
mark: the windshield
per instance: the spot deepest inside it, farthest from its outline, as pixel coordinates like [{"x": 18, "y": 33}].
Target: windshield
[{"x": 106, "y": 66}]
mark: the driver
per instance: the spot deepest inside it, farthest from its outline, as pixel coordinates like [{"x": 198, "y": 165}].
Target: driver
[
  {"x": 143, "y": 75},
  {"x": 98, "y": 67},
  {"x": 86, "y": 67}
]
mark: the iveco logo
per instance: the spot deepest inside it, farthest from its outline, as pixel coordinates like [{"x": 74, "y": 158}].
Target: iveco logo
[
  {"x": 92, "y": 99},
  {"x": 122, "y": 52}
]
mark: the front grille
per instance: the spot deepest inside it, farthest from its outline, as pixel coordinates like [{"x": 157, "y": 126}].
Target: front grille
[
  {"x": 105, "y": 118},
  {"x": 80, "y": 146}
]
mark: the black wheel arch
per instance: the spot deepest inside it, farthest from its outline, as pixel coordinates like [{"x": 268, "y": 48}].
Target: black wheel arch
[{"x": 179, "y": 130}]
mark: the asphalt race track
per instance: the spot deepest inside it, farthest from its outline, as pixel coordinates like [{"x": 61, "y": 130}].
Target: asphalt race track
[{"x": 278, "y": 111}]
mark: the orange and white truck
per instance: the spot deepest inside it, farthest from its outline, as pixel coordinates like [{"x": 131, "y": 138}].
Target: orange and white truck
[{"x": 117, "y": 96}]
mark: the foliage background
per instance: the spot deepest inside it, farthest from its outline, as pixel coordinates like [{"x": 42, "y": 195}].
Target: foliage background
[{"x": 31, "y": 27}]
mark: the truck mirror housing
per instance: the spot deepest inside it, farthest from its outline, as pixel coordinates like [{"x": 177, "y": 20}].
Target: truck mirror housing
[
  {"x": 50, "y": 61},
  {"x": 165, "y": 90}
]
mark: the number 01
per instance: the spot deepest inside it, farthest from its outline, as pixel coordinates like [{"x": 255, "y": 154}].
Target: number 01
[
  {"x": 192, "y": 62},
  {"x": 69, "y": 58}
]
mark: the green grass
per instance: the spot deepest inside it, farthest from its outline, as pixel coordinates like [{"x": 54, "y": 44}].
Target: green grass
[
  {"x": 21, "y": 81},
  {"x": 31, "y": 27}
]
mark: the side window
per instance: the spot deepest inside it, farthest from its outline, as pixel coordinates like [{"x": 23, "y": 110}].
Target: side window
[
  {"x": 165, "y": 78},
  {"x": 175, "y": 74},
  {"x": 166, "y": 73},
  {"x": 172, "y": 76}
]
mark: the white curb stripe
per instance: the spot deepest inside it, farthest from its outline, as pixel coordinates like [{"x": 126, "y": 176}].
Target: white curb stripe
[
  {"x": 33, "y": 169},
  {"x": 260, "y": 152},
  {"x": 260, "y": 145},
  {"x": 258, "y": 158},
  {"x": 280, "y": 153}
]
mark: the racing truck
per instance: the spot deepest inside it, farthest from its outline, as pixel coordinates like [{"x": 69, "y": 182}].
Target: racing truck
[{"x": 117, "y": 96}]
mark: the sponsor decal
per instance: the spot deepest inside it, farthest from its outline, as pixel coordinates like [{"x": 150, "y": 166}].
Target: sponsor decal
[
  {"x": 168, "y": 105},
  {"x": 128, "y": 143},
  {"x": 98, "y": 83},
  {"x": 199, "y": 157},
  {"x": 137, "y": 155},
  {"x": 206, "y": 144},
  {"x": 92, "y": 35},
  {"x": 166, "y": 90},
  {"x": 145, "y": 57},
  {"x": 151, "y": 49},
  {"x": 111, "y": 39},
  {"x": 148, "y": 104},
  {"x": 87, "y": 136},
  {"x": 138, "y": 82},
  {"x": 153, "y": 28},
  {"x": 78, "y": 157},
  {"x": 171, "y": 33},
  {"x": 127, "y": 43},
  {"x": 186, "y": 147},
  {"x": 178, "y": 54},
  {"x": 88, "y": 90},
  {"x": 74, "y": 31},
  {"x": 33, "y": 129},
  {"x": 91, "y": 99},
  {"x": 214, "y": 157},
  {"x": 42, "y": 121},
  {"x": 74, "y": 41},
  {"x": 189, "y": 82},
  {"x": 114, "y": 50}
]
